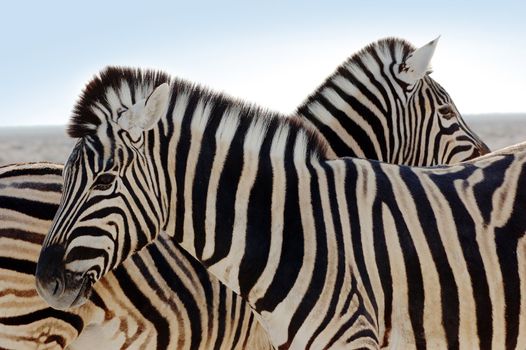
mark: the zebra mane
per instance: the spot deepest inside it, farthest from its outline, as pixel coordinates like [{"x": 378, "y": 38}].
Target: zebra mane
[
  {"x": 386, "y": 50},
  {"x": 84, "y": 121}
]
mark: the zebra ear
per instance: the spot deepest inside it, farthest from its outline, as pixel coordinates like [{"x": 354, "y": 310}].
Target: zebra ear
[
  {"x": 155, "y": 106},
  {"x": 145, "y": 114},
  {"x": 418, "y": 62}
]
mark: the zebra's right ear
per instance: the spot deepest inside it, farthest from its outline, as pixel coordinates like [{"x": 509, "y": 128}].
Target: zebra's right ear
[{"x": 418, "y": 63}]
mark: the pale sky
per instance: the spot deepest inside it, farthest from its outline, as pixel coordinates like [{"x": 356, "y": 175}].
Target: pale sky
[{"x": 271, "y": 52}]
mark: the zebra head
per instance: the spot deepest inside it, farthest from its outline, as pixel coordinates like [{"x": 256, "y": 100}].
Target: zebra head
[
  {"x": 383, "y": 104},
  {"x": 106, "y": 179},
  {"x": 440, "y": 121}
]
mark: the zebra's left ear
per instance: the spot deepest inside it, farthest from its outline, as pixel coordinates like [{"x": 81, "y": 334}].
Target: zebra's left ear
[
  {"x": 145, "y": 114},
  {"x": 155, "y": 106},
  {"x": 418, "y": 62}
]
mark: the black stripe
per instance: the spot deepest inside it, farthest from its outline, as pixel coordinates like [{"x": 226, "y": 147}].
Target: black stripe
[
  {"x": 21, "y": 266},
  {"x": 47, "y": 313},
  {"x": 493, "y": 175},
  {"x": 248, "y": 334},
  {"x": 259, "y": 220},
  {"x": 35, "y": 209},
  {"x": 226, "y": 194},
  {"x": 36, "y": 186},
  {"x": 292, "y": 248},
  {"x": 383, "y": 264},
  {"x": 181, "y": 154},
  {"x": 448, "y": 288},
  {"x": 22, "y": 235},
  {"x": 202, "y": 179},
  {"x": 467, "y": 236},
  {"x": 415, "y": 284},
  {"x": 340, "y": 266},
  {"x": 221, "y": 316},
  {"x": 507, "y": 242},
  {"x": 240, "y": 320},
  {"x": 23, "y": 171},
  {"x": 422, "y": 134},
  {"x": 318, "y": 278}
]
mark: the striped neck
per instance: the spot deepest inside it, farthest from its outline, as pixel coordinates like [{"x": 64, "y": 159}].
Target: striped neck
[
  {"x": 230, "y": 167},
  {"x": 363, "y": 98}
]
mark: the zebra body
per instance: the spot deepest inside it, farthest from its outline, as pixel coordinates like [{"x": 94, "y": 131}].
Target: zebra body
[
  {"x": 178, "y": 306},
  {"x": 319, "y": 109},
  {"x": 344, "y": 253}
]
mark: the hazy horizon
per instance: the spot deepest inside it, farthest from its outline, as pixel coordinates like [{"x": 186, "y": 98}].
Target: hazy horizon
[
  {"x": 467, "y": 117},
  {"x": 51, "y": 143}
]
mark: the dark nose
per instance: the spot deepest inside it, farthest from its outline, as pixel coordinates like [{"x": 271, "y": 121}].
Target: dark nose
[{"x": 50, "y": 270}]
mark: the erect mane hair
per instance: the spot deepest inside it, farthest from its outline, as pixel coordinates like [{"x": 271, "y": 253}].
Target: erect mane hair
[
  {"x": 386, "y": 48},
  {"x": 84, "y": 121},
  {"x": 316, "y": 144}
]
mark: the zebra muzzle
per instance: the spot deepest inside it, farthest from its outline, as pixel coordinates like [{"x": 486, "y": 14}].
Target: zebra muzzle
[{"x": 60, "y": 288}]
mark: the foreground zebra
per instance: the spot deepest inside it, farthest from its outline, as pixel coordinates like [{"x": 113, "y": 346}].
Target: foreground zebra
[
  {"x": 441, "y": 129},
  {"x": 179, "y": 305},
  {"x": 331, "y": 253}
]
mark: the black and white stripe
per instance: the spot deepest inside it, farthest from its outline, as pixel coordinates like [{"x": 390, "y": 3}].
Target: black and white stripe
[{"x": 331, "y": 253}]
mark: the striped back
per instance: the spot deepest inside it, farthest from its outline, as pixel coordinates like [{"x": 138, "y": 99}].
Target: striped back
[{"x": 159, "y": 299}]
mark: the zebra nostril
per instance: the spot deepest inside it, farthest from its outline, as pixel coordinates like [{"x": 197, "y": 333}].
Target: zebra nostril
[
  {"x": 58, "y": 287},
  {"x": 50, "y": 272}
]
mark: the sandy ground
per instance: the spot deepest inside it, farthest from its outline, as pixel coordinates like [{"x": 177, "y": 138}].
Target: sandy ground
[{"x": 31, "y": 144}]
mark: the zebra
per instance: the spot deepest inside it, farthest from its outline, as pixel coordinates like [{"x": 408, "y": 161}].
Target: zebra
[
  {"x": 382, "y": 104},
  {"x": 394, "y": 49},
  {"x": 126, "y": 309},
  {"x": 328, "y": 252}
]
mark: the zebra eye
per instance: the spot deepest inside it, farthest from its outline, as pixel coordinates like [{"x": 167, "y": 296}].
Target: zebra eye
[
  {"x": 120, "y": 111},
  {"x": 447, "y": 112},
  {"x": 103, "y": 182}
]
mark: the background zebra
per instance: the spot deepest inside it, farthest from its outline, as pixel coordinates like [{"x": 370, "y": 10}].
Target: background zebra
[
  {"x": 228, "y": 180},
  {"x": 382, "y": 104},
  {"x": 178, "y": 306},
  {"x": 393, "y": 50}
]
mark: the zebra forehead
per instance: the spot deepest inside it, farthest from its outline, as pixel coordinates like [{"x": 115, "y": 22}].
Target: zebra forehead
[{"x": 112, "y": 87}]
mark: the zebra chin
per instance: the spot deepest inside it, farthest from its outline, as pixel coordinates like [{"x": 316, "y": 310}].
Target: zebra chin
[{"x": 60, "y": 288}]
